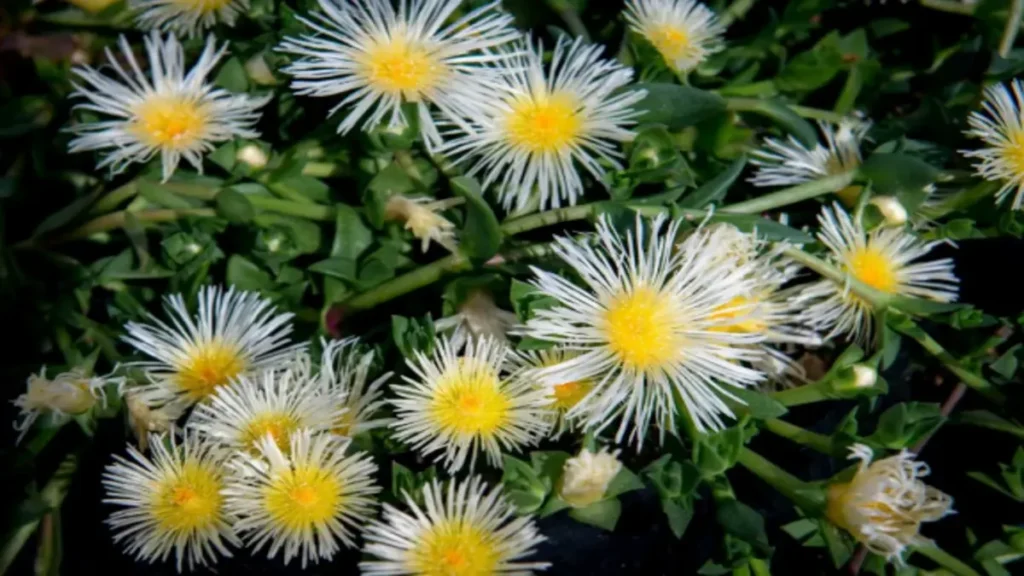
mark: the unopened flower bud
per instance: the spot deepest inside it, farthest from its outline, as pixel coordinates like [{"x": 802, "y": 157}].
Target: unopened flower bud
[
  {"x": 856, "y": 377},
  {"x": 252, "y": 155},
  {"x": 893, "y": 212},
  {"x": 259, "y": 71}
]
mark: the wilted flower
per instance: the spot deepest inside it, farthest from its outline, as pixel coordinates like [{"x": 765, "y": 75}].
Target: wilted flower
[{"x": 586, "y": 477}]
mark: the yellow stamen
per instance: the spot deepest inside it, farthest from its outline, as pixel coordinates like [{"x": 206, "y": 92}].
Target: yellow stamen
[
  {"x": 673, "y": 43},
  {"x": 641, "y": 330},
  {"x": 569, "y": 394},
  {"x": 727, "y": 316},
  {"x": 873, "y": 268},
  {"x": 303, "y": 497},
  {"x": 402, "y": 68},
  {"x": 189, "y": 502},
  {"x": 170, "y": 121},
  {"x": 201, "y": 6},
  {"x": 544, "y": 125},
  {"x": 278, "y": 425},
  {"x": 208, "y": 366},
  {"x": 1013, "y": 152},
  {"x": 456, "y": 549},
  {"x": 469, "y": 400}
]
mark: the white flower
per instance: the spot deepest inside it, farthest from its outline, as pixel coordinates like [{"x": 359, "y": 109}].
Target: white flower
[
  {"x": 277, "y": 402},
  {"x": 186, "y": 17},
  {"x": 170, "y": 502},
  {"x": 585, "y": 477},
  {"x": 464, "y": 530},
  {"x": 528, "y": 136},
  {"x": 379, "y": 59},
  {"x": 460, "y": 405},
  {"x": 420, "y": 216},
  {"x": 344, "y": 372},
  {"x": 685, "y": 32},
  {"x": 304, "y": 501},
  {"x": 233, "y": 334},
  {"x": 171, "y": 113},
  {"x": 643, "y": 327},
  {"x": 145, "y": 420},
  {"x": 477, "y": 317},
  {"x": 69, "y": 394},
  {"x": 886, "y": 502},
  {"x": 1001, "y": 127},
  {"x": 789, "y": 162},
  {"x": 769, "y": 310},
  {"x": 882, "y": 259}
]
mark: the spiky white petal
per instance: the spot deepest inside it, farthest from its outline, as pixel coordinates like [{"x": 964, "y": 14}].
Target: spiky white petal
[
  {"x": 1000, "y": 125},
  {"x": 169, "y": 112},
  {"x": 533, "y": 133},
  {"x": 685, "y": 32},
  {"x": 186, "y": 17},
  {"x": 644, "y": 327},
  {"x": 304, "y": 502},
  {"x": 464, "y": 529},
  {"x": 378, "y": 59},
  {"x": 232, "y": 334},
  {"x": 460, "y": 404},
  {"x": 344, "y": 372},
  {"x": 790, "y": 162},
  {"x": 171, "y": 502},
  {"x": 886, "y": 259}
]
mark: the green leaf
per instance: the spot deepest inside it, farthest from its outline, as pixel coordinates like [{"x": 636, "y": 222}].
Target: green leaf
[
  {"x": 786, "y": 119},
  {"x": 480, "y": 237},
  {"x": 715, "y": 453},
  {"x": 163, "y": 196},
  {"x": 676, "y": 106},
  {"x": 758, "y": 405},
  {"x": 391, "y": 180},
  {"x": 232, "y": 76},
  {"x": 904, "y": 424},
  {"x": 812, "y": 69},
  {"x": 679, "y": 516},
  {"x": 304, "y": 235},
  {"x": 604, "y": 514},
  {"x": 233, "y": 206},
  {"x": 743, "y": 522},
  {"x": 839, "y": 547},
  {"x": 245, "y": 275},
  {"x": 714, "y": 190},
  {"x": 765, "y": 228},
  {"x": 624, "y": 481},
  {"x": 300, "y": 188},
  {"x": 901, "y": 175},
  {"x": 65, "y": 215},
  {"x": 922, "y": 307},
  {"x": 351, "y": 236},
  {"x": 411, "y": 335},
  {"x": 338, "y": 267}
]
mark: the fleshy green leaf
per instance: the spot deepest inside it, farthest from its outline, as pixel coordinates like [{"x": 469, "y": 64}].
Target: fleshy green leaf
[
  {"x": 480, "y": 237},
  {"x": 714, "y": 190},
  {"x": 676, "y": 106},
  {"x": 604, "y": 514}
]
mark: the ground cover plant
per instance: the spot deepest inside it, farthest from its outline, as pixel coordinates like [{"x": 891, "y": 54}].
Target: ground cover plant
[{"x": 469, "y": 287}]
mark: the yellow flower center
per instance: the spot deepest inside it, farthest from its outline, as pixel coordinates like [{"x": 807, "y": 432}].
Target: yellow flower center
[
  {"x": 343, "y": 424},
  {"x": 642, "y": 330},
  {"x": 279, "y": 425},
  {"x": 402, "y": 68},
  {"x": 469, "y": 400},
  {"x": 188, "y": 502},
  {"x": 173, "y": 122},
  {"x": 673, "y": 43},
  {"x": 201, "y": 6},
  {"x": 1013, "y": 152},
  {"x": 569, "y": 394},
  {"x": 873, "y": 268},
  {"x": 547, "y": 124},
  {"x": 456, "y": 549},
  {"x": 207, "y": 366},
  {"x": 735, "y": 316},
  {"x": 303, "y": 498}
]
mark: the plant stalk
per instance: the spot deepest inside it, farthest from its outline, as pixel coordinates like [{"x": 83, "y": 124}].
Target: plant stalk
[
  {"x": 792, "y": 195},
  {"x": 52, "y": 495},
  {"x": 788, "y": 485},
  {"x": 946, "y": 560},
  {"x": 1011, "y": 28},
  {"x": 812, "y": 440}
]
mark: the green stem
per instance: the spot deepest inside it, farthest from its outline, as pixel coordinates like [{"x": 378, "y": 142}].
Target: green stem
[
  {"x": 407, "y": 282},
  {"x": 788, "y": 485},
  {"x": 812, "y": 440},
  {"x": 818, "y": 114},
  {"x": 571, "y": 18},
  {"x": 975, "y": 381},
  {"x": 946, "y": 560},
  {"x": 799, "y": 395},
  {"x": 52, "y": 495},
  {"x": 290, "y": 208},
  {"x": 954, "y": 6},
  {"x": 405, "y": 160},
  {"x": 792, "y": 195},
  {"x": 111, "y": 200},
  {"x": 960, "y": 200},
  {"x": 875, "y": 298},
  {"x": 118, "y": 219},
  {"x": 736, "y": 11},
  {"x": 522, "y": 224},
  {"x": 1011, "y": 28}
]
